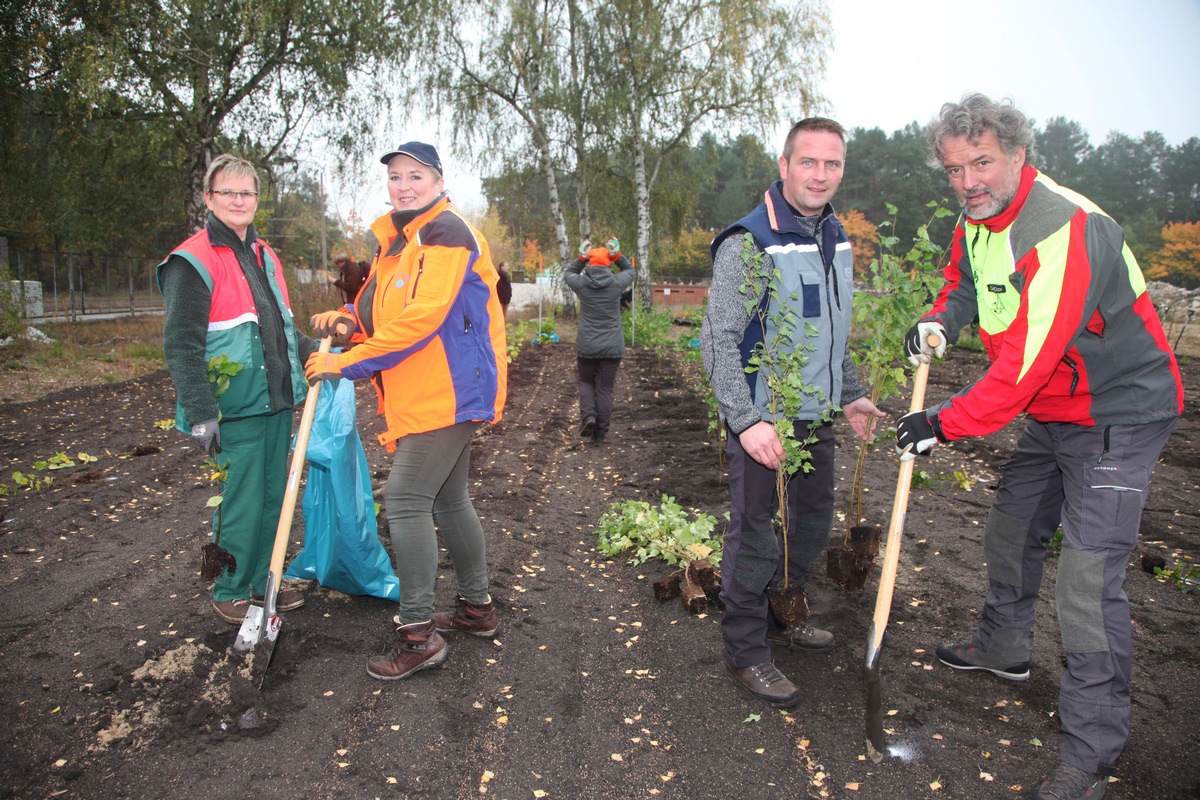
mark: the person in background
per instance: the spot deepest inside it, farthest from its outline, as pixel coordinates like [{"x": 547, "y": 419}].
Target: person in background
[
  {"x": 600, "y": 341},
  {"x": 504, "y": 287},
  {"x": 1074, "y": 342},
  {"x": 351, "y": 276},
  {"x": 797, "y": 234},
  {"x": 225, "y": 295},
  {"x": 429, "y": 333}
]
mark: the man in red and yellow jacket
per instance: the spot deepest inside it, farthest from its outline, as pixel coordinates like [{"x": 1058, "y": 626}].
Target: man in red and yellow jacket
[{"x": 1075, "y": 343}]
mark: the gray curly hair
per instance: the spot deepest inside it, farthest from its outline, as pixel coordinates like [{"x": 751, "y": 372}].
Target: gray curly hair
[{"x": 973, "y": 115}]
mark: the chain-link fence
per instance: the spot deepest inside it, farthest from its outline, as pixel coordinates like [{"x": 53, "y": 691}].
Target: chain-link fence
[{"x": 71, "y": 285}]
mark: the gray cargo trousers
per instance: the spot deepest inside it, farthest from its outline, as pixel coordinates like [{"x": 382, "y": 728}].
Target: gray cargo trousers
[{"x": 1091, "y": 481}]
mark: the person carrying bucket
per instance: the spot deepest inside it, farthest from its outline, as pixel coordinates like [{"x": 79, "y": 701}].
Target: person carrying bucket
[{"x": 600, "y": 339}]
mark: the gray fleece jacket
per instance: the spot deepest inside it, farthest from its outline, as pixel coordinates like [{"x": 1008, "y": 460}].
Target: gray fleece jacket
[{"x": 599, "y": 289}]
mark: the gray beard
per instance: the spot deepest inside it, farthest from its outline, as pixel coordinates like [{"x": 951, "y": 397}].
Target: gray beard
[{"x": 997, "y": 205}]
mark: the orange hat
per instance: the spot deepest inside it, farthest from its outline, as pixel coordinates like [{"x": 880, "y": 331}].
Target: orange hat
[{"x": 598, "y": 257}]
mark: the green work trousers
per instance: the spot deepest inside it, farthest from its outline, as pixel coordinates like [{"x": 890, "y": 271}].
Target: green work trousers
[{"x": 256, "y": 451}]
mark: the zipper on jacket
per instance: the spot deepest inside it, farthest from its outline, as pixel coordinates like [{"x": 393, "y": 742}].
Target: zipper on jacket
[
  {"x": 1070, "y": 362},
  {"x": 416, "y": 280},
  {"x": 466, "y": 324}
]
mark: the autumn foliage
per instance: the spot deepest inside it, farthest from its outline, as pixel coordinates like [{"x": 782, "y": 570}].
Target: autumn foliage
[
  {"x": 864, "y": 238},
  {"x": 1178, "y": 261}
]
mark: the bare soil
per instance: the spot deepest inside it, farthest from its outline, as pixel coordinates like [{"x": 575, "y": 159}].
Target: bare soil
[{"x": 117, "y": 680}]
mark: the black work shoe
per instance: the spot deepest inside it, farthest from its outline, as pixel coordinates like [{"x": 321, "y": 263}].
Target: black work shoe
[
  {"x": 802, "y": 637},
  {"x": 765, "y": 682},
  {"x": 1072, "y": 783},
  {"x": 589, "y": 427},
  {"x": 966, "y": 655}
]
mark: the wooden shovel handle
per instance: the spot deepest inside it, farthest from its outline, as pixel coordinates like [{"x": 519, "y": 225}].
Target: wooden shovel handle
[
  {"x": 891, "y": 559},
  {"x": 293, "y": 480}
]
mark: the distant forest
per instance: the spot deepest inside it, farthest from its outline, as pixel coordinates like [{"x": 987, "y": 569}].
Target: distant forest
[{"x": 1146, "y": 184}]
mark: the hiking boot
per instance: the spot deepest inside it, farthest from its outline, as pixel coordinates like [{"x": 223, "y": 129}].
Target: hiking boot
[
  {"x": 967, "y": 655},
  {"x": 285, "y": 599},
  {"x": 802, "y": 637},
  {"x": 232, "y": 611},
  {"x": 1072, "y": 783},
  {"x": 477, "y": 620},
  {"x": 765, "y": 682},
  {"x": 598, "y": 441},
  {"x": 418, "y": 646},
  {"x": 589, "y": 427}
]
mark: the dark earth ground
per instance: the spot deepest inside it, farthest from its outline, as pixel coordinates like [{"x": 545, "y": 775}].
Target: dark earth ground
[{"x": 116, "y": 680}]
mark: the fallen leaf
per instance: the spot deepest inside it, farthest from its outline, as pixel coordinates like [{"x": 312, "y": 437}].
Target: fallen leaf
[
  {"x": 852, "y": 787},
  {"x": 752, "y": 718},
  {"x": 617, "y": 757},
  {"x": 935, "y": 785},
  {"x": 486, "y": 776},
  {"x": 987, "y": 776},
  {"x": 391, "y": 780}
]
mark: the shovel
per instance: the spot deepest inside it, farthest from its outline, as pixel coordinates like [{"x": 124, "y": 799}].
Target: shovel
[
  {"x": 887, "y": 581},
  {"x": 260, "y": 628}
]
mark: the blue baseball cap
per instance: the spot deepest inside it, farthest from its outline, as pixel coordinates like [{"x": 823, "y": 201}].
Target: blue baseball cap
[{"x": 427, "y": 154}]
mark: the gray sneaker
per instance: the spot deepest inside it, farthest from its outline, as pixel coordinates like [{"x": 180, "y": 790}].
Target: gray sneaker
[
  {"x": 1072, "y": 783},
  {"x": 802, "y": 637},
  {"x": 967, "y": 655}
]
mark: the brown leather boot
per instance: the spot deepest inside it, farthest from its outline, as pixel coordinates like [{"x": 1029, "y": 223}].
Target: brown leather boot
[
  {"x": 418, "y": 646},
  {"x": 477, "y": 620}
]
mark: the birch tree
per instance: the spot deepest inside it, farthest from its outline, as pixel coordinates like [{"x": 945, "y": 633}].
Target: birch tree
[{"x": 671, "y": 69}]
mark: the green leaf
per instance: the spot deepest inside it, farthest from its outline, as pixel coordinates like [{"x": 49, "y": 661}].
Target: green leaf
[{"x": 752, "y": 718}]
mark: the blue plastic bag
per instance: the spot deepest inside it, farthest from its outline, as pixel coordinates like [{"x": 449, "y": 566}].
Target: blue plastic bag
[{"x": 342, "y": 550}]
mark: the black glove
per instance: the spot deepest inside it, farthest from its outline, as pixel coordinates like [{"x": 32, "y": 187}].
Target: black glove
[
  {"x": 915, "y": 435},
  {"x": 208, "y": 434},
  {"x": 916, "y": 342}
]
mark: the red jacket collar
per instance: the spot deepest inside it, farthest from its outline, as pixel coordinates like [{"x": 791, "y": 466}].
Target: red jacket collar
[{"x": 1007, "y": 216}]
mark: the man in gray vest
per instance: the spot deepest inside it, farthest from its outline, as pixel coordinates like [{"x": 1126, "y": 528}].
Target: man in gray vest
[{"x": 805, "y": 275}]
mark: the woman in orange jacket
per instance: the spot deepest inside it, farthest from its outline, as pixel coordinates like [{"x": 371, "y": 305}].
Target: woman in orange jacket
[{"x": 429, "y": 333}]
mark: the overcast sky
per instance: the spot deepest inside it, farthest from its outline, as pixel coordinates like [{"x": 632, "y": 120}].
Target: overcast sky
[
  {"x": 1125, "y": 65},
  {"x": 1111, "y": 65}
]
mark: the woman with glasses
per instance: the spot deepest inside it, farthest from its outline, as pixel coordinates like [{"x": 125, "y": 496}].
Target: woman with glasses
[
  {"x": 429, "y": 332},
  {"x": 225, "y": 296}
]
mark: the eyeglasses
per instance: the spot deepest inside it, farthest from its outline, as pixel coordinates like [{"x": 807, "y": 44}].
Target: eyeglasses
[{"x": 229, "y": 194}]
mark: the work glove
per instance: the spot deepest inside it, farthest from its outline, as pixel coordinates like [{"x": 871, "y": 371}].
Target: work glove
[
  {"x": 614, "y": 247},
  {"x": 208, "y": 435},
  {"x": 585, "y": 247},
  {"x": 321, "y": 367},
  {"x": 337, "y": 325},
  {"x": 914, "y": 435},
  {"x": 916, "y": 342}
]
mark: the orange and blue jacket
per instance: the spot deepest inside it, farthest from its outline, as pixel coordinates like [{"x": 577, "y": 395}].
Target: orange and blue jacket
[
  {"x": 432, "y": 339},
  {"x": 1063, "y": 314}
]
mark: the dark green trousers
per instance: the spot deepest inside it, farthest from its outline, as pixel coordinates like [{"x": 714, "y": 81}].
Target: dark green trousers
[{"x": 256, "y": 449}]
